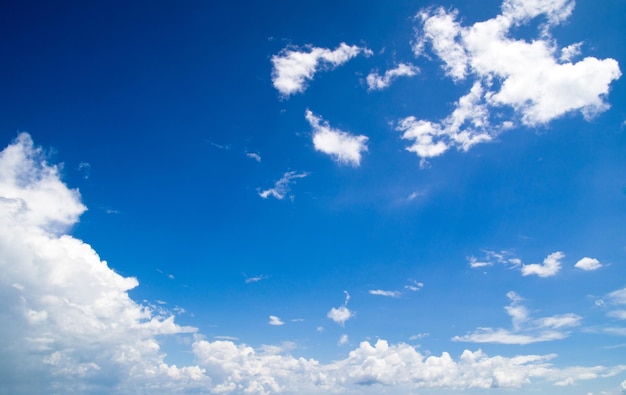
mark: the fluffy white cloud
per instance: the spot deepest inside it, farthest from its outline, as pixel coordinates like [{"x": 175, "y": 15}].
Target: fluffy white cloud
[
  {"x": 344, "y": 147},
  {"x": 525, "y": 330},
  {"x": 341, "y": 314},
  {"x": 282, "y": 186},
  {"x": 293, "y": 68},
  {"x": 274, "y": 320},
  {"x": 528, "y": 77},
  {"x": 551, "y": 266},
  {"x": 67, "y": 317},
  {"x": 377, "y": 82},
  {"x": 588, "y": 264}
]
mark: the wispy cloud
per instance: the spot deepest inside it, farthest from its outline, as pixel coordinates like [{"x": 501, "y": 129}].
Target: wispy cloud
[
  {"x": 393, "y": 294},
  {"x": 254, "y": 155},
  {"x": 377, "y": 82},
  {"x": 255, "y": 279},
  {"x": 282, "y": 187},
  {"x": 344, "y": 147},
  {"x": 295, "y": 67},
  {"x": 525, "y": 329},
  {"x": 550, "y": 267}
]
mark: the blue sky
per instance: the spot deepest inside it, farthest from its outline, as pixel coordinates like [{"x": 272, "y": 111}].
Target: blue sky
[{"x": 363, "y": 197}]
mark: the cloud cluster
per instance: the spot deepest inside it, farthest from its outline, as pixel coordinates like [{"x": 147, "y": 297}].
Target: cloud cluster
[
  {"x": 68, "y": 321},
  {"x": 294, "y": 67},
  {"x": 344, "y": 147},
  {"x": 67, "y": 316},
  {"x": 534, "y": 79},
  {"x": 525, "y": 330}
]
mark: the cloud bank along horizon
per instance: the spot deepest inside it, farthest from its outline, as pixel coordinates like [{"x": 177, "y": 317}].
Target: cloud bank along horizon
[{"x": 70, "y": 321}]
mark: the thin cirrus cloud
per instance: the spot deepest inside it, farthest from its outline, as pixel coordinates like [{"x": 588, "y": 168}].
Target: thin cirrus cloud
[
  {"x": 532, "y": 79},
  {"x": 282, "y": 187},
  {"x": 293, "y": 68},
  {"x": 342, "y": 146},
  {"x": 550, "y": 267},
  {"x": 525, "y": 329},
  {"x": 69, "y": 318},
  {"x": 376, "y": 81}
]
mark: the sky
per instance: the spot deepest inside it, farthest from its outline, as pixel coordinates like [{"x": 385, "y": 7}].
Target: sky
[{"x": 355, "y": 197}]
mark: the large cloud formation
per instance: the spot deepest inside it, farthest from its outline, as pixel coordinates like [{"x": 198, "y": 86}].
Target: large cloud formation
[
  {"x": 69, "y": 325},
  {"x": 534, "y": 78}
]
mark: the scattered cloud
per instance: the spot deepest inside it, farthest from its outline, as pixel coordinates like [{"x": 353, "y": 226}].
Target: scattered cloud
[
  {"x": 414, "y": 286},
  {"x": 84, "y": 168},
  {"x": 377, "y": 82},
  {"x": 588, "y": 264},
  {"x": 254, "y": 155},
  {"x": 525, "y": 330},
  {"x": 617, "y": 298},
  {"x": 344, "y": 147},
  {"x": 419, "y": 336},
  {"x": 294, "y": 67},
  {"x": 282, "y": 186},
  {"x": 527, "y": 77},
  {"x": 551, "y": 266},
  {"x": 341, "y": 314},
  {"x": 256, "y": 279},
  {"x": 392, "y": 294},
  {"x": 343, "y": 340},
  {"x": 274, "y": 320},
  {"x": 231, "y": 338}
]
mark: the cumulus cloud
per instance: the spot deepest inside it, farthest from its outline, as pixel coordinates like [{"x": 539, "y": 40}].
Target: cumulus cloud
[
  {"x": 341, "y": 314},
  {"x": 525, "y": 330},
  {"x": 551, "y": 266},
  {"x": 377, "y": 82},
  {"x": 67, "y": 315},
  {"x": 344, "y": 147},
  {"x": 282, "y": 187},
  {"x": 274, "y": 320},
  {"x": 588, "y": 264},
  {"x": 295, "y": 67},
  {"x": 534, "y": 79}
]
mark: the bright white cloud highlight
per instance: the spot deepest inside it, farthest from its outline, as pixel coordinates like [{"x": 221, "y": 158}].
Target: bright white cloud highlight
[
  {"x": 341, "y": 314},
  {"x": 533, "y": 78},
  {"x": 525, "y": 330},
  {"x": 294, "y": 68},
  {"x": 274, "y": 320},
  {"x": 377, "y": 82},
  {"x": 67, "y": 316},
  {"x": 588, "y": 264},
  {"x": 550, "y": 267},
  {"x": 344, "y": 147},
  {"x": 282, "y": 187}
]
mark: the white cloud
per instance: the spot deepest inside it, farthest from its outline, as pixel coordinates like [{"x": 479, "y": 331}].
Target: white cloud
[
  {"x": 275, "y": 321},
  {"x": 282, "y": 186},
  {"x": 588, "y": 264},
  {"x": 254, "y": 155},
  {"x": 528, "y": 77},
  {"x": 67, "y": 316},
  {"x": 525, "y": 330},
  {"x": 344, "y": 147},
  {"x": 378, "y": 82},
  {"x": 294, "y": 68},
  {"x": 551, "y": 266},
  {"x": 255, "y": 279},
  {"x": 414, "y": 286},
  {"x": 393, "y": 294},
  {"x": 343, "y": 340},
  {"x": 341, "y": 314}
]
